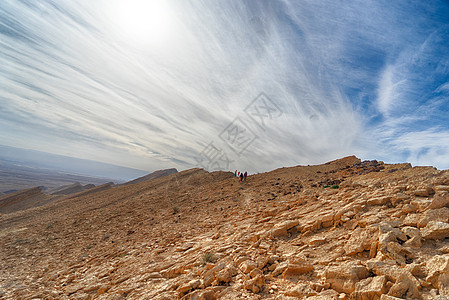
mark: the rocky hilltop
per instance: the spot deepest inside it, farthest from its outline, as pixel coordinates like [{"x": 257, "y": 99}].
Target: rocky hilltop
[
  {"x": 152, "y": 176},
  {"x": 342, "y": 230}
]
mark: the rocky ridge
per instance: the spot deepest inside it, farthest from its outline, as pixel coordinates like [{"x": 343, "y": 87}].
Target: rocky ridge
[
  {"x": 378, "y": 231},
  {"x": 152, "y": 176}
]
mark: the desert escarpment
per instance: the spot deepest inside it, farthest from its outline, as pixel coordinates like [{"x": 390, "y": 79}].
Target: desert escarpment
[{"x": 342, "y": 230}]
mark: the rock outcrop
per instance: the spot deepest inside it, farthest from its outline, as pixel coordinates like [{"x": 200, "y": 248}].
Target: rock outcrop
[{"x": 343, "y": 230}]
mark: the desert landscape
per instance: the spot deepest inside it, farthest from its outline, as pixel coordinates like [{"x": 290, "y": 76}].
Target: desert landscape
[
  {"x": 346, "y": 229},
  {"x": 14, "y": 178},
  {"x": 122, "y": 123}
]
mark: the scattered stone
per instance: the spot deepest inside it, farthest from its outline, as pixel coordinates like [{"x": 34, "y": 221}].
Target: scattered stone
[
  {"x": 361, "y": 240},
  {"x": 370, "y": 288},
  {"x": 255, "y": 272},
  {"x": 247, "y": 266},
  {"x": 280, "y": 268},
  {"x": 414, "y": 236},
  {"x": 255, "y": 284},
  {"x": 435, "y": 230},
  {"x": 440, "y": 199},
  {"x": 416, "y": 270},
  {"x": 281, "y": 229},
  {"x": 411, "y": 220},
  {"x": 421, "y": 193},
  {"x": 439, "y": 214},
  {"x": 298, "y": 268},
  {"x": 378, "y": 200},
  {"x": 301, "y": 290},
  {"x": 437, "y": 265},
  {"x": 224, "y": 276},
  {"x": 317, "y": 241},
  {"x": 344, "y": 277},
  {"x": 405, "y": 287},
  {"x": 185, "y": 246}
]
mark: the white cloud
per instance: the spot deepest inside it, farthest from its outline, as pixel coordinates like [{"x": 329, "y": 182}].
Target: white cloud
[
  {"x": 387, "y": 93},
  {"x": 77, "y": 87},
  {"x": 427, "y": 147}
]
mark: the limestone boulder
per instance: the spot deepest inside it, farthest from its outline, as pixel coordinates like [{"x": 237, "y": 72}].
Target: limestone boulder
[
  {"x": 411, "y": 220},
  {"x": 378, "y": 200},
  {"x": 301, "y": 290},
  {"x": 399, "y": 198},
  {"x": 440, "y": 199},
  {"x": 224, "y": 276},
  {"x": 280, "y": 229},
  {"x": 255, "y": 273},
  {"x": 387, "y": 228},
  {"x": 421, "y": 203},
  {"x": 280, "y": 268},
  {"x": 404, "y": 287},
  {"x": 326, "y": 220},
  {"x": 191, "y": 285},
  {"x": 255, "y": 284},
  {"x": 435, "y": 230},
  {"x": 361, "y": 240},
  {"x": 344, "y": 277},
  {"x": 370, "y": 288},
  {"x": 438, "y": 264},
  {"x": 421, "y": 192},
  {"x": 439, "y": 214},
  {"x": 297, "y": 268},
  {"x": 209, "y": 275},
  {"x": 397, "y": 252},
  {"x": 247, "y": 266},
  {"x": 409, "y": 208},
  {"x": 392, "y": 271},
  {"x": 414, "y": 237}
]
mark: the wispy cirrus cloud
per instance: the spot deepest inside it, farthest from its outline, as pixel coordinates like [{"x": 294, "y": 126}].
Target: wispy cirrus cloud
[{"x": 348, "y": 78}]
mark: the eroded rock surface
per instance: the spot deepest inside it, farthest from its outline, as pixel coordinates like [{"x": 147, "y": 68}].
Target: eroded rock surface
[{"x": 378, "y": 232}]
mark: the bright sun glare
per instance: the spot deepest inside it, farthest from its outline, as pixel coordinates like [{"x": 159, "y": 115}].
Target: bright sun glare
[{"x": 143, "y": 21}]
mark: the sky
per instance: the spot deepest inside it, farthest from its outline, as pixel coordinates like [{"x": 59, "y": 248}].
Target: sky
[{"x": 225, "y": 85}]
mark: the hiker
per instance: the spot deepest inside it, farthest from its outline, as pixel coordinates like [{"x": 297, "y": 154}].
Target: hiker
[
  {"x": 244, "y": 175},
  {"x": 235, "y": 173},
  {"x": 241, "y": 177},
  {"x": 238, "y": 174}
]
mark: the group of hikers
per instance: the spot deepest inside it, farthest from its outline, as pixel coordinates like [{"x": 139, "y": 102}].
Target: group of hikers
[{"x": 240, "y": 175}]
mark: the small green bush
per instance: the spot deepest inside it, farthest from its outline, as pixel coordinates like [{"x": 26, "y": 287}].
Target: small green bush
[
  {"x": 335, "y": 186},
  {"x": 326, "y": 186},
  {"x": 208, "y": 257}
]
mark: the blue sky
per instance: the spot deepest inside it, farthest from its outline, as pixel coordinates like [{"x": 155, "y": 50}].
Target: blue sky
[{"x": 252, "y": 85}]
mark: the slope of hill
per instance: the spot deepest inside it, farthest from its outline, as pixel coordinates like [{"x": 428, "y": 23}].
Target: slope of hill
[
  {"x": 154, "y": 175},
  {"x": 342, "y": 230},
  {"x": 22, "y": 200},
  {"x": 70, "y": 189}
]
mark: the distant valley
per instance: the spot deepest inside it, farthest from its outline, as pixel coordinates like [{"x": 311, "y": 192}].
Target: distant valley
[
  {"x": 23, "y": 168},
  {"x": 15, "y": 177}
]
